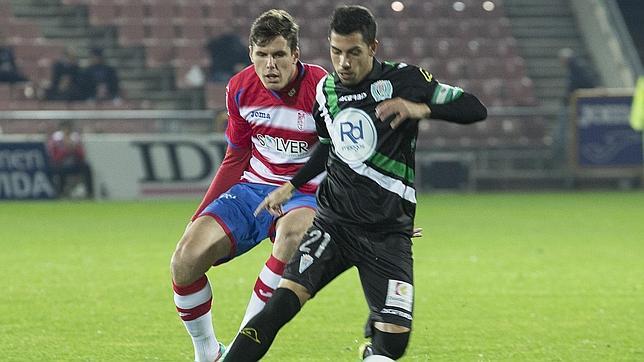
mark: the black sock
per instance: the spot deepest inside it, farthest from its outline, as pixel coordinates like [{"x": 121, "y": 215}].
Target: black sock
[
  {"x": 392, "y": 345},
  {"x": 254, "y": 340}
]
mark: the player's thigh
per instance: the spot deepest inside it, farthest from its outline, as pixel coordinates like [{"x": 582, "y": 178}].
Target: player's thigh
[
  {"x": 386, "y": 274},
  {"x": 318, "y": 260},
  {"x": 289, "y": 231},
  {"x": 234, "y": 212},
  {"x": 204, "y": 240}
]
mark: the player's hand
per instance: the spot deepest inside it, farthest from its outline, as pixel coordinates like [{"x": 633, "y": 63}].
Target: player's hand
[
  {"x": 402, "y": 109},
  {"x": 273, "y": 202},
  {"x": 417, "y": 233}
]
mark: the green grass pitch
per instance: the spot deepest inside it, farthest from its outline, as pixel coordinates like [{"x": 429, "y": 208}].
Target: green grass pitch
[{"x": 499, "y": 277}]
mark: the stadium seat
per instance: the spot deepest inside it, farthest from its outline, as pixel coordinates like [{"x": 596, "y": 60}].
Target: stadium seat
[
  {"x": 6, "y": 13},
  {"x": 158, "y": 54},
  {"x": 160, "y": 31},
  {"x": 215, "y": 95},
  {"x": 160, "y": 10},
  {"x": 131, "y": 33},
  {"x": 190, "y": 55},
  {"x": 102, "y": 13},
  {"x": 131, "y": 9},
  {"x": 219, "y": 9},
  {"x": 195, "y": 31},
  {"x": 190, "y": 10},
  {"x": 5, "y": 91},
  {"x": 21, "y": 29}
]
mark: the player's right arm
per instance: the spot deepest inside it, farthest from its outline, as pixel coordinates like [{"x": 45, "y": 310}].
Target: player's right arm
[
  {"x": 228, "y": 174},
  {"x": 238, "y": 153}
]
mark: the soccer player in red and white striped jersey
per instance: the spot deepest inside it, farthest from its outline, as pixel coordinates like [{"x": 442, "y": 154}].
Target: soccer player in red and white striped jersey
[{"x": 271, "y": 134}]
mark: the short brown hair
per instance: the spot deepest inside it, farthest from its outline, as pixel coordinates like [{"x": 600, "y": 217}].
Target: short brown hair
[{"x": 274, "y": 23}]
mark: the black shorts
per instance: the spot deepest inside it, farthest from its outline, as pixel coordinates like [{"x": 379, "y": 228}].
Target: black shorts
[{"x": 384, "y": 263}]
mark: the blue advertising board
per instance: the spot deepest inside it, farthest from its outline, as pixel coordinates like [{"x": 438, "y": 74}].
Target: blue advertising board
[
  {"x": 604, "y": 135},
  {"x": 24, "y": 171}
]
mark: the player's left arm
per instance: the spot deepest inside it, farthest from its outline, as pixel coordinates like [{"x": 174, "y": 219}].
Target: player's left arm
[{"x": 446, "y": 102}]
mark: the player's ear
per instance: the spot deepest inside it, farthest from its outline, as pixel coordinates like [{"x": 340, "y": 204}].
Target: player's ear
[
  {"x": 250, "y": 53},
  {"x": 296, "y": 55},
  {"x": 373, "y": 47}
]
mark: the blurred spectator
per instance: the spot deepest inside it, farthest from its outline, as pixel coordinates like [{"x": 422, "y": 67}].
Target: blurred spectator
[
  {"x": 66, "y": 79},
  {"x": 195, "y": 77},
  {"x": 67, "y": 156},
  {"x": 577, "y": 74},
  {"x": 102, "y": 82},
  {"x": 228, "y": 55},
  {"x": 577, "y": 77},
  {"x": 9, "y": 72}
]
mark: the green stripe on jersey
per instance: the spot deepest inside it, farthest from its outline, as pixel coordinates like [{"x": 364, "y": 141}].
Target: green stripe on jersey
[
  {"x": 332, "y": 97},
  {"x": 392, "y": 166},
  {"x": 445, "y": 93},
  {"x": 326, "y": 141}
]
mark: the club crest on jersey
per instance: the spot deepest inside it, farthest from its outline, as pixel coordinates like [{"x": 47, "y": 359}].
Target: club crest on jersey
[
  {"x": 381, "y": 90},
  {"x": 354, "y": 135}
]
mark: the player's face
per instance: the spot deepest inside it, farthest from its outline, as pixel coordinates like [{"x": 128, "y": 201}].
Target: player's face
[
  {"x": 352, "y": 58},
  {"x": 274, "y": 63}
]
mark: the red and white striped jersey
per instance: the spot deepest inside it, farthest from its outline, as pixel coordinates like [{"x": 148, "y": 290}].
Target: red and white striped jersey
[{"x": 277, "y": 126}]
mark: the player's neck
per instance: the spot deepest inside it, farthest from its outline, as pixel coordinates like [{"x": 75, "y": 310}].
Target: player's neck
[{"x": 292, "y": 85}]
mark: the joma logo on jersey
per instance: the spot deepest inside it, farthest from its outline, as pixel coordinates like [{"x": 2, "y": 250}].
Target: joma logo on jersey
[
  {"x": 259, "y": 114},
  {"x": 353, "y": 97},
  {"x": 292, "y": 147}
]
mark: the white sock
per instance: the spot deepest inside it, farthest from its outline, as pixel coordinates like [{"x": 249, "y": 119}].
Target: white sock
[
  {"x": 193, "y": 304},
  {"x": 265, "y": 285}
]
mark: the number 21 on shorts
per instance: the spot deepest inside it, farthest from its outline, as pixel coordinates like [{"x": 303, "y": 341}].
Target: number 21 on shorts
[{"x": 306, "y": 259}]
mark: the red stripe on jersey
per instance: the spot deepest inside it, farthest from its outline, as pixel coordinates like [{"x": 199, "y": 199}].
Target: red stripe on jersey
[
  {"x": 266, "y": 180},
  {"x": 280, "y": 169},
  {"x": 196, "y": 312},
  {"x": 308, "y": 188},
  {"x": 192, "y": 288}
]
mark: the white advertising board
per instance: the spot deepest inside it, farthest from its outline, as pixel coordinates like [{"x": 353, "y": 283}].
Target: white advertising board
[{"x": 129, "y": 167}]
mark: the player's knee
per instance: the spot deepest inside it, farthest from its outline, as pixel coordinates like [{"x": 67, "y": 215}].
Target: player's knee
[
  {"x": 392, "y": 345},
  {"x": 286, "y": 244},
  {"x": 181, "y": 263},
  {"x": 293, "y": 236}
]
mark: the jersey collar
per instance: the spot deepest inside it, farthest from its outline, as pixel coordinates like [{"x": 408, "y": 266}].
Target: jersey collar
[{"x": 291, "y": 89}]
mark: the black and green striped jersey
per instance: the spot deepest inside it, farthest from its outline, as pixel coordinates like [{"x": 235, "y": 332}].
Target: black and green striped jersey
[{"x": 370, "y": 167}]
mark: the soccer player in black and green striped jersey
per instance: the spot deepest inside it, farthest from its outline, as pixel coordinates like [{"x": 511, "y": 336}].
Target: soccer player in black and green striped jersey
[{"x": 366, "y": 115}]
